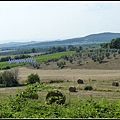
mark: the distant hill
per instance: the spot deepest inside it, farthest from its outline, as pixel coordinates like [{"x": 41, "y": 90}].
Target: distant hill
[
  {"x": 89, "y": 39},
  {"x": 16, "y": 44},
  {"x": 93, "y": 38}
]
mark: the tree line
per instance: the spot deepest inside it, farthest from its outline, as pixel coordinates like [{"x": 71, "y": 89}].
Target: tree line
[
  {"x": 15, "y": 57},
  {"x": 113, "y": 44}
]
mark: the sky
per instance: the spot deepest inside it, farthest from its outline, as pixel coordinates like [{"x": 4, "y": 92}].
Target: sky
[{"x": 23, "y": 21}]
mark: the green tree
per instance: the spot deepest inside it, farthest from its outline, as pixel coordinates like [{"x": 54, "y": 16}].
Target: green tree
[
  {"x": 114, "y": 43},
  {"x": 94, "y": 58},
  {"x": 33, "y": 78},
  {"x": 79, "y": 62},
  {"x": 107, "y": 55},
  {"x": 61, "y": 64},
  {"x": 71, "y": 47},
  {"x": 104, "y": 45},
  {"x": 33, "y": 50},
  {"x": 70, "y": 60},
  {"x": 114, "y": 55},
  {"x": 100, "y": 58},
  {"x": 8, "y": 79}
]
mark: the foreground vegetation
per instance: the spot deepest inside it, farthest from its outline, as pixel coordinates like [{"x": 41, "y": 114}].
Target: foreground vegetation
[{"x": 19, "y": 106}]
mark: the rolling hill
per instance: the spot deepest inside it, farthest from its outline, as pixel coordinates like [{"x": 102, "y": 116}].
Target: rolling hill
[{"x": 89, "y": 39}]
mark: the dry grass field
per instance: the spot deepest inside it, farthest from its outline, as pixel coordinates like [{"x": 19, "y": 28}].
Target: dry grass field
[
  {"x": 100, "y": 80},
  {"x": 69, "y": 74}
]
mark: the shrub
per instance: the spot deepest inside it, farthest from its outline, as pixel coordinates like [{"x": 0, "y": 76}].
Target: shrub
[
  {"x": 2, "y": 85},
  {"x": 107, "y": 55},
  {"x": 5, "y": 68},
  {"x": 33, "y": 78},
  {"x": 56, "y": 81},
  {"x": 61, "y": 64},
  {"x": 88, "y": 88},
  {"x": 8, "y": 79},
  {"x": 79, "y": 62},
  {"x": 100, "y": 58},
  {"x": 31, "y": 91}
]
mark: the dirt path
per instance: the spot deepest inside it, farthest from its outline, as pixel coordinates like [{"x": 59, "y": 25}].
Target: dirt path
[{"x": 69, "y": 74}]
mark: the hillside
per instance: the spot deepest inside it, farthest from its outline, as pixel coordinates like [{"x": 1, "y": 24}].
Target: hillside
[
  {"x": 89, "y": 39},
  {"x": 16, "y": 44}
]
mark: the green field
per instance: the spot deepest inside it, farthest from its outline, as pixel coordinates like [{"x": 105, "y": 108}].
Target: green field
[
  {"x": 54, "y": 55},
  {"x": 5, "y": 64},
  {"x": 38, "y": 59}
]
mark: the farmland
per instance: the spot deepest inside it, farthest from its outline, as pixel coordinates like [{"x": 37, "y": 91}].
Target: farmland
[
  {"x": 38, "y": 59},
  {"x": 102, "y": 101},
  {"x": 103, "y": 92},
  {"x": 54, "y": 55}
]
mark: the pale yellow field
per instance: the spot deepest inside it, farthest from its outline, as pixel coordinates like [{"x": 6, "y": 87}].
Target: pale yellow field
[{"x": 69, "y": 74}]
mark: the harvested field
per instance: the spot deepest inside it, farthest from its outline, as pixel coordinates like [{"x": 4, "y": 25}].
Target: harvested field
[
  {"x": 69, "y": 74},
  {"x": 100, "y": 80}
]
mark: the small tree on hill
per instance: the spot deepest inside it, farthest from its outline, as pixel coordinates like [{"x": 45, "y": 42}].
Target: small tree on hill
[
  {"x": 79, "y": 62},
  {"x": 100, "y": 58},
  {"x": 61, "y": 64},
  {"x": 107, "y": 55}
]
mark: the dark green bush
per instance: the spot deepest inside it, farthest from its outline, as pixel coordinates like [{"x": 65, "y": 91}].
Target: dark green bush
[
  {"x": 56, "y": 81},
  {"x": 30, "y": 91},
  {"x": 33, "y": 78},
  {"x": 8, "y": 79},
  {"x": 5, "y": 68},
  {"x": 61, "y": 64}
]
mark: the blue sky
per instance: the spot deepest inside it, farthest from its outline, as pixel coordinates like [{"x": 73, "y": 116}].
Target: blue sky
[{"x": 48, "y": 20}]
